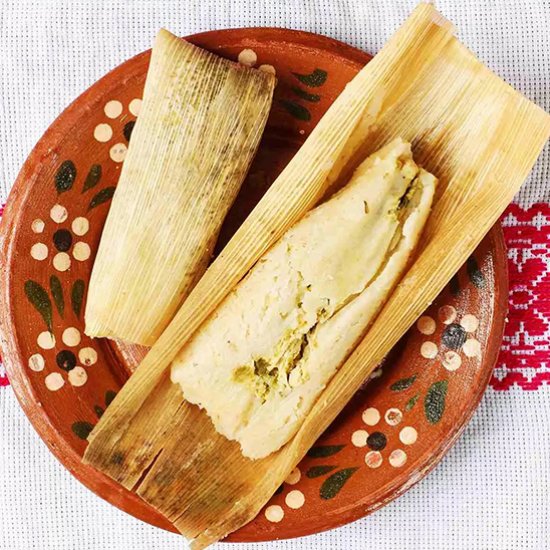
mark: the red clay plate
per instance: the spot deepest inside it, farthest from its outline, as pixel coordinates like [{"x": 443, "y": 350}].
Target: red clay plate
[{"x": 395, "y": 429}]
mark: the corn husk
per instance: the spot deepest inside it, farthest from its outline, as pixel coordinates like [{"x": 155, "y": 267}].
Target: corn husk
[
  {"x": 469, "y": 128},
  {"x": 199, "y": 127}
]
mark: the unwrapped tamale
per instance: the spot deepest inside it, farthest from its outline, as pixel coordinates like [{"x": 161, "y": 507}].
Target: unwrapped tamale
[
  {"x": 262, "y": 359},
  {"x": 199, "y": 127}
]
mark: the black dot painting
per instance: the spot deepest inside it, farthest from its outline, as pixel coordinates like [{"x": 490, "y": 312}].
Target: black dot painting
[
  {"x": 376, "y": 441},
  {"x": 66, "y": 360},
  {"x": 454, "y": 336},
  {"x": 62, "y": 239}
]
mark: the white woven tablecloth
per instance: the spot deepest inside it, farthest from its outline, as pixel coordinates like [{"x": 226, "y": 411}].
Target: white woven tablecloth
[{"x": 492, "y": 489}]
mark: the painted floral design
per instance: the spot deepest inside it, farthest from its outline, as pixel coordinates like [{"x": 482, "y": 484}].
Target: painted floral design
[
  {"x": 59, "y": 294},
  {"x": 313, "y": 80},
  {"x": 294, "y": 498},
  {"x": 83, "y": 428},
  {"x": 336, "y": 477},
  {"x": 72, "y": 358},
  {"x": 305, "y": 89},
  {"x": 104, "y": 133},
  {"x": 457, "y": 340},
  {"x": 51, "y": 299},
  {"x": 68, "y": 243}
]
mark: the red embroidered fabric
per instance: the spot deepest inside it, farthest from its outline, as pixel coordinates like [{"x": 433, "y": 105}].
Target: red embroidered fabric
[{"x": 525, "y": 356}]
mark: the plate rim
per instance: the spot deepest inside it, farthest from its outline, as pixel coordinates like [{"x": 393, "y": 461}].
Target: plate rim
[{"x": 13, "y": 359}]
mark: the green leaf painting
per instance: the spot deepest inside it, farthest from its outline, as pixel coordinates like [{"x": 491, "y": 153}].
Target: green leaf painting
[
  {"x": 40, "y": 299},
  {"x": 77, "y": 296},
  {"x": 322, "y": 451},
  {"x": 82, "y": 429},
  {"x": 411, "y": 402},
  {"x": 333, "y": 484},
  {"x": 475, "y": 274},
  {"x": 314, "y": 79},
  {"x": 93, "y": 177},
  {"x": 296, "y": 110},
  {"x": 317, "y": 471},
  {"x": 313, "y": 98},
  {"x": 434, "y": 402},
  {"x": 57, "y": 294},
  {"x": 403, "y": 384},
  {"x": 103, "y": 196},
  {"x": 65, "y": 176}
]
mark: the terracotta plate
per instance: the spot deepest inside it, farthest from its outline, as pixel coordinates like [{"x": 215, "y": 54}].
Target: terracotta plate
[{"x": 393, "y": 431}]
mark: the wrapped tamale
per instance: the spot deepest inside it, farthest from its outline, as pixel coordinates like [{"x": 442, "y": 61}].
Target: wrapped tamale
[
  {"x": 262, "y": 359},
  {"x": 199, "y": 127}
]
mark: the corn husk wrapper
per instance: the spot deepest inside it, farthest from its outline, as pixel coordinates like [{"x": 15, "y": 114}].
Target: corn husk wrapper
[
  {"x": 469, "y": 128},
  {"x": 198, "y": 130}
]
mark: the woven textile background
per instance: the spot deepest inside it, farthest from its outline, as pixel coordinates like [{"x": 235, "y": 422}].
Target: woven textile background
[{"x": 492, "y": 490}]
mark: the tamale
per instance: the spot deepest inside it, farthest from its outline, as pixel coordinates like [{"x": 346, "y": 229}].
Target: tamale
[
  {"x": 258, "y": 364},
  {"x": 186, "y": 162},
  {"x": 481, "y": 139}
]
